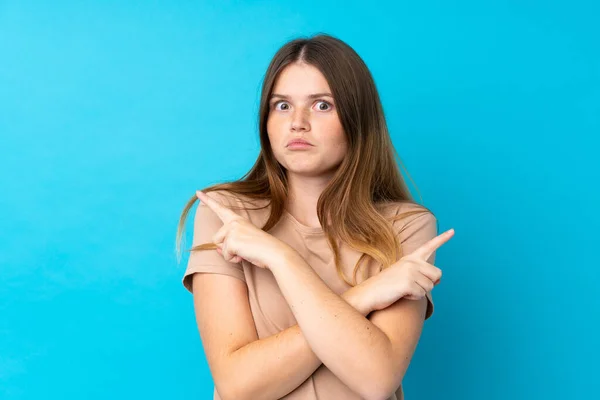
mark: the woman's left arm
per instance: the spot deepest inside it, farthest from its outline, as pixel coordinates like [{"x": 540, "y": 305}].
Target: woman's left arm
[
  {"x": 362, "y": 352},
  {"x": 354, "y": 348}
]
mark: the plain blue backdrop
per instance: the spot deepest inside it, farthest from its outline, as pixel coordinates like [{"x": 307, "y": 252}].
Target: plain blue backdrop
[{"x": 112, "y": 113}]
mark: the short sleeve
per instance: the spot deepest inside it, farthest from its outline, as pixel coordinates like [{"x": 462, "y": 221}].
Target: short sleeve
[
  {"x": 206, "y": 224},
  {"x": 417, "y": 231}
]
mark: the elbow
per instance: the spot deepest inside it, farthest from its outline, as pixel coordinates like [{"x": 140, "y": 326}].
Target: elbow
[
  {"x": 228, "y": 388},
  {"x": 387, "y": 378},
  {"x": 382, "y": 386},
  {"x": 237, "y": 389},
  {"x": 380, "y": 391},
  {"x": 232, "y": 393},
  {"x": 229, "y": 383},
  {"x": 225, "y": 391}
]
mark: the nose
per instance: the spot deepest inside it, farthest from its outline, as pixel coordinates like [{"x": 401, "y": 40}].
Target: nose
[{"x": 300, "y": 121}]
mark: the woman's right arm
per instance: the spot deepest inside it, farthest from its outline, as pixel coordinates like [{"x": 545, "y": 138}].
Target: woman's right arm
[{"x": 243, "y": 366}]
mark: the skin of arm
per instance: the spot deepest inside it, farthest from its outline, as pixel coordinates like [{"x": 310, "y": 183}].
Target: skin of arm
[
  {"x": 370, "y": 355},
  {"x": 340, "y": 336},
  {"x": 331, "y": 329},
  {"x": 248, "y": 367}
]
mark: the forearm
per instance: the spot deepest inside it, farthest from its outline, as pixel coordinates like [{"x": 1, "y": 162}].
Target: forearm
[
  {"x": 350, "y": 345},
  {"x": 272, "y": 367}
]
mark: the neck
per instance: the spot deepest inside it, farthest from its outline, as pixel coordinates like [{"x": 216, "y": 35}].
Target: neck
[{"x": 304, "y": 193}]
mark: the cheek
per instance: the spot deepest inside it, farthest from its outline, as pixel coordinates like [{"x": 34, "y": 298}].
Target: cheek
[
  {"x": 337, "y": 141},
  {"x": 273, "y": 133}
]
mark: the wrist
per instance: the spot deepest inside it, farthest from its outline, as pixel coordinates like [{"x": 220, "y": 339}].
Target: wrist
[
  {"x": 281, "y": 256},
  {"x": 358, "y": 297}
]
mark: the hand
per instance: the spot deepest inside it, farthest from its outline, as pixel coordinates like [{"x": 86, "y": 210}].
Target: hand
[
  {"x": 239, "y": 239},
  {"x": 411, "y": 277}
]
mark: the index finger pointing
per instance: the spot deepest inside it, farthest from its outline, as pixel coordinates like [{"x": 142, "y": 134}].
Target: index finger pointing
[
  {"x": 224, "y": 213},
  {"x": 432, "y": 245}
]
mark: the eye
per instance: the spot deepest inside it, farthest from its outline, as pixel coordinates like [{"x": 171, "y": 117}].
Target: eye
[
  {"x": 279, "y": 102},
  {"x": 324, "y": 102},
  {"x": 320, "y": 108}
]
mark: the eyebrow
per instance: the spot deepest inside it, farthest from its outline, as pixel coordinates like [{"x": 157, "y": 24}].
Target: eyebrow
[{"x": 310, "y": 96}]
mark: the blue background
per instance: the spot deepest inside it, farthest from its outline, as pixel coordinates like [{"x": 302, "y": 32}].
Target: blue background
[{"x": 112, "y": 113}]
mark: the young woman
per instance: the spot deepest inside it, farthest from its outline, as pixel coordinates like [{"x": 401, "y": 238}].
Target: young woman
[{"x": 281, "y": 307}]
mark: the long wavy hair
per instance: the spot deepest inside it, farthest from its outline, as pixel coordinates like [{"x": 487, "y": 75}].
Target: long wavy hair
[{"x": 368, "y": 175}]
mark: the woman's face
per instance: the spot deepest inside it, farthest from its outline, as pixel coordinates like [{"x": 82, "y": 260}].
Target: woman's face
[{"x": 302, "y": 107}]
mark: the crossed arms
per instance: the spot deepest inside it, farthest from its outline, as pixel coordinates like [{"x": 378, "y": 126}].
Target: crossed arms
[{"x": 332, "y": 330}]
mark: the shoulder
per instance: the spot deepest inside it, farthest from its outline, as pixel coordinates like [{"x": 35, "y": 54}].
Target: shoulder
[
  {"x": 242, "y": 205},
  {"x": 396, "y": 210},
  {"x": 409, "y": 218},
  {"x": 223, "y": 196},
  {"x": 415, "y": 225}
]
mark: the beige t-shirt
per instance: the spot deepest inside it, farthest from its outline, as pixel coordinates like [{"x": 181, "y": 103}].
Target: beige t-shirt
[{"x": 269, "y": 308}]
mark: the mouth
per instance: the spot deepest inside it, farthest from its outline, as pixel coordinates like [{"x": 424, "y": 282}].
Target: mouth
[
  {"x": 295, "y": 143},
  {"x": 299, "y": 146}
]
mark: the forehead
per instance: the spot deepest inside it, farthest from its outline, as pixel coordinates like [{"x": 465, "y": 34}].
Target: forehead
[{"x": 298, "y": 79}]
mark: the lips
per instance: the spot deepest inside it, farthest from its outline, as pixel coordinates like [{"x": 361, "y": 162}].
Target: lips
[{"x": 298, "y": 141}]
